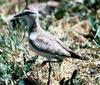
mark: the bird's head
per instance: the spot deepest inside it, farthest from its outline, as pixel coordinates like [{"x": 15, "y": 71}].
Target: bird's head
[
  {"x": 28, "y": 13},
  {"x": 30, "y": 16}
]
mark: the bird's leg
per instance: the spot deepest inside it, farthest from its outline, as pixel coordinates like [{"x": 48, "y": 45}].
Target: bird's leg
[
  {"x": 44, "y": 62},
  {"x": 50, "y": 68}
]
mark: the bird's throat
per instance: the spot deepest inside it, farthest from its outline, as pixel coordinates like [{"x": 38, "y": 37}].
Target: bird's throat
[{"x": 32, "y": 28}]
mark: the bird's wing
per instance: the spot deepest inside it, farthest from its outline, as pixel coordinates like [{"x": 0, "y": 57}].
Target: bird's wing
[
  {"x": 48, "y": 44},
  {"x": 73, "y": 54}
]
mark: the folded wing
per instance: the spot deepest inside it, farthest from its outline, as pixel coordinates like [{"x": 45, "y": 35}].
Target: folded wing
[{"x": 49, "y": 45}]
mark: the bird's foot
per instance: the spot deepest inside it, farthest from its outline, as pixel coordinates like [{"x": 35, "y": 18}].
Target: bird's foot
[{"x": 44, "y": 63}]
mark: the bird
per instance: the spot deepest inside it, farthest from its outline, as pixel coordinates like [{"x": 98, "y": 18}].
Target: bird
[{"x": 42, "y": 42}]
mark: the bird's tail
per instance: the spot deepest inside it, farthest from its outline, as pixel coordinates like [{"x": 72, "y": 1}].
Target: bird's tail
[{"x": 74, "y": 55}]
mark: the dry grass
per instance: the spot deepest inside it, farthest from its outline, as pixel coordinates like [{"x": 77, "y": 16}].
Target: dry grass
[{"x": 15, "y": 52}]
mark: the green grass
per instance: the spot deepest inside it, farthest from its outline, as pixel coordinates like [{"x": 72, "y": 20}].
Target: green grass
[{"x": 16, "y": 58}]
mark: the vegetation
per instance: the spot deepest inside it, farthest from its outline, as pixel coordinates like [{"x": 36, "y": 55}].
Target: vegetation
[{"x": 76, "y": 24}]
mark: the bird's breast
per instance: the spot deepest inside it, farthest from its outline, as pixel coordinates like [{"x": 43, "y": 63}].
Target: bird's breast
[{"x": 32, "y": 36}]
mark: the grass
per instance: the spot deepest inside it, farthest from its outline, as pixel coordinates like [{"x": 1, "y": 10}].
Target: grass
[{"x": 19, "y": 65}]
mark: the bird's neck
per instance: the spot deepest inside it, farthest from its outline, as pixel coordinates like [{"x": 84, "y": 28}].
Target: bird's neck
[
  {"x": 31, "y": 28},
  {"x": 35, "y": 26}
]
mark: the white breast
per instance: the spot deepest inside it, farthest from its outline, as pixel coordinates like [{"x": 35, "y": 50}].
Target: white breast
[{"x": 32, "y": 36}]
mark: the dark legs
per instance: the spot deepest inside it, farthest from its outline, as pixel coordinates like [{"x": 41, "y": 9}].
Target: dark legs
[{"x": 50, "y": 68}]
